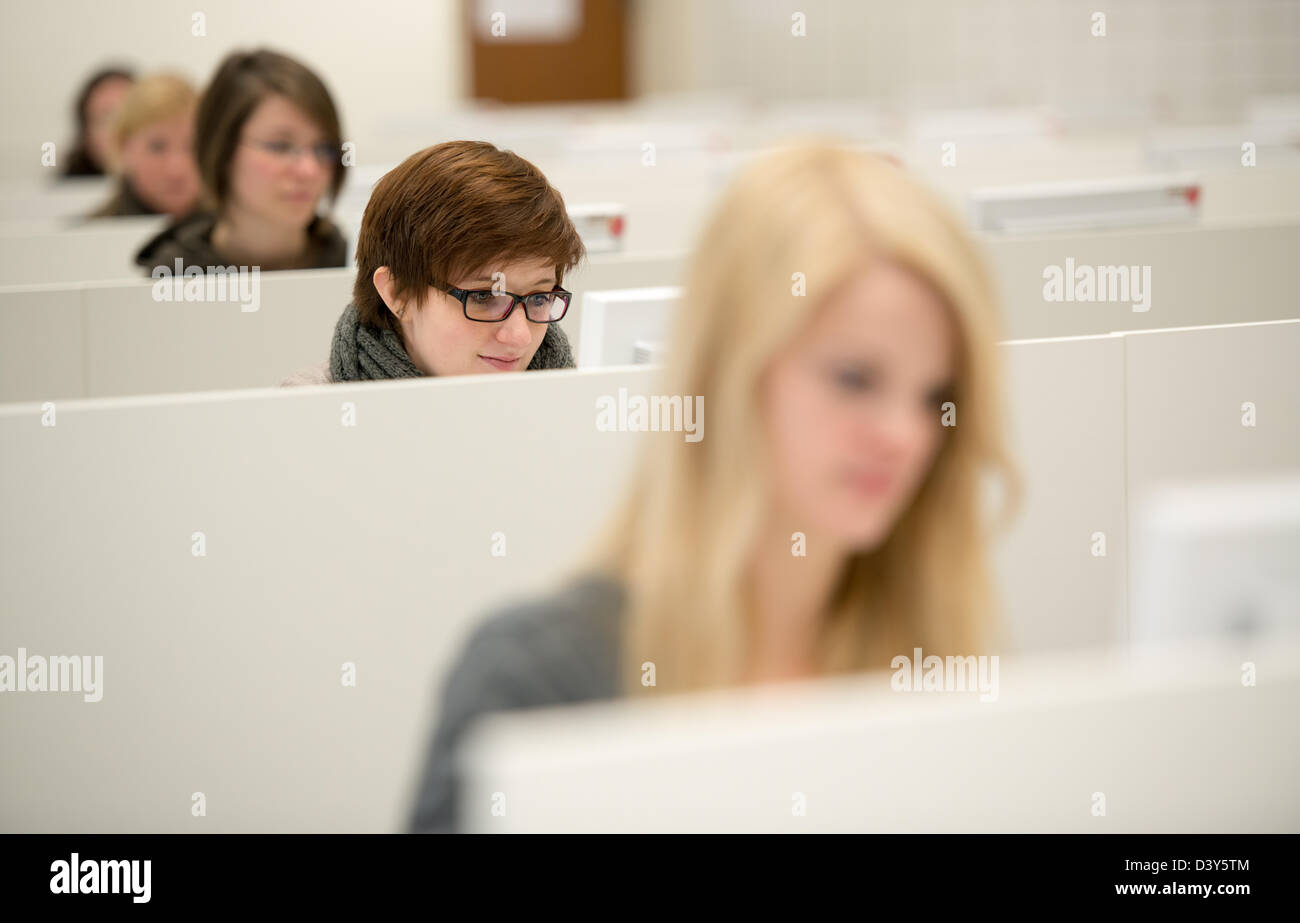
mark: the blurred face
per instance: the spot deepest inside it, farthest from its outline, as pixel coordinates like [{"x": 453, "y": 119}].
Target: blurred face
[
  {"x": 158, "y": 161},
  {"x": 852, "y": 407},
  {"x": 282, "y": 165},
  {"x": 101, "y": 106},
  {"x": 441, "y": 340}
]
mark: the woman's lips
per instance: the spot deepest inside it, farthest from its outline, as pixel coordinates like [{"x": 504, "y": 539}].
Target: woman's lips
[
  {"x": 874, "y": 485},
  {"x": 502, "y": 365}
]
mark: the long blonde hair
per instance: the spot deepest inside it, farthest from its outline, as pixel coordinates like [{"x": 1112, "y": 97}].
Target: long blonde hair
[{"x": 689, "y": 525}]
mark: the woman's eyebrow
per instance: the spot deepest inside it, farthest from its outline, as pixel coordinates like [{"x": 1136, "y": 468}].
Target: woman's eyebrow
[{"x": 484, "y": 280}]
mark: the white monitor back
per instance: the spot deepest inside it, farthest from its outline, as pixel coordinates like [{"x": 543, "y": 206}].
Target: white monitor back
[
  {"x": 1097, "y": 743},
  {"x": 616, "y": 324},
  {"x": 1219, "y": 559}
]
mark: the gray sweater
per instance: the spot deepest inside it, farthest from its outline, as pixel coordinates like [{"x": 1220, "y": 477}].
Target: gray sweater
[{"x": 557, "y": 651}]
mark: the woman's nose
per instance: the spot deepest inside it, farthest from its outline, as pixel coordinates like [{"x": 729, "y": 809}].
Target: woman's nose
[{"x": 515, "y": 329}]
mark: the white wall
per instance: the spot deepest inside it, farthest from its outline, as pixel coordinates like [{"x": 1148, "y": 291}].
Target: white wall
[
  {"x": 1175, "y": 59},
  {"x": 387, "y": 63}
]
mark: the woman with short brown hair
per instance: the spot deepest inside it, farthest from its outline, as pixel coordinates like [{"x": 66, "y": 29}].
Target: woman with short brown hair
[{"x": 461, "y": 258}]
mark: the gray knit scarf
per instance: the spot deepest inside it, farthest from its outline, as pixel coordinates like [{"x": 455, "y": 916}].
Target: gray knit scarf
[{"x": 363, "y": 353}]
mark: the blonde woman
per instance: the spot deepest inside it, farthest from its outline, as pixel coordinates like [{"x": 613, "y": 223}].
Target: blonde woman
[
  {"x": 841, "y": 328},
  {"x": 152, "y": 148}
]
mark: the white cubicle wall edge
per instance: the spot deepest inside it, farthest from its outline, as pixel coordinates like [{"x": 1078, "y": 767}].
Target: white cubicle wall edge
[
  {"x": 1148, "y": 331},
  {"x": 122, "y": 402}
]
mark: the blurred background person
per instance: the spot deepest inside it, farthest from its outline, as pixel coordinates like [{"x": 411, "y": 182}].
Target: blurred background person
[
  {"x": 269, "y": 151},
  {"x": 95, "y": 110},
  {"x": 153, "y": 145},
  {"x": 831, "y": 517}
]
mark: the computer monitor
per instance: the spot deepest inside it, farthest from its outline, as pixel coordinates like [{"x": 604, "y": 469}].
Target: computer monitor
[
  {"x": 1217, "y": 559},
  {"x": 624, "y": 326},
  {"x": 1167, "y": 741}
]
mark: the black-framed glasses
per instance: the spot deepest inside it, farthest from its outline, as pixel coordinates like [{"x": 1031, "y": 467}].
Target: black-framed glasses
[{"x": 488, "y": 306}]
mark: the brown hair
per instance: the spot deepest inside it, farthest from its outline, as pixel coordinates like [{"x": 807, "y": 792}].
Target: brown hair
[
  {"x": 79, "y": 162},
  {"x": 242, "y": 82},
  {"x": 452, "y": 209}
]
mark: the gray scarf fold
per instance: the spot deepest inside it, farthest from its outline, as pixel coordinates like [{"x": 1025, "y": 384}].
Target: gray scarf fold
[{"x": 363, "y": 353}]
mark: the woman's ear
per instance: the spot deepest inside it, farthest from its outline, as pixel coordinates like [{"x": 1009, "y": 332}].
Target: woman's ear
[{"x": 383, "y": 280}]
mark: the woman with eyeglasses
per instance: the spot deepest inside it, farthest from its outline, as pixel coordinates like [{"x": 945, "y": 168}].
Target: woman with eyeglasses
[
  {"x": 461, "y": 261},
  {"x": 841, "y": 326},
  {"x": 267, "y": 137}
]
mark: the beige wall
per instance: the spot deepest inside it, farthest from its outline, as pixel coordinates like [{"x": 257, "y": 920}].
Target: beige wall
[
  {"x": 1176, "y": 59},
  {"x": 388, "y": 63}
]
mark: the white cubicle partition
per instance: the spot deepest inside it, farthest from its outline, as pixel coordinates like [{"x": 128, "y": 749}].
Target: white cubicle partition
[
  {"x": 102, "y": 249},
  {"x": 1061, "y": 566},
  {"x": 231, "y": 554},
  {"x": 42, "y": 343},
  {"x": 114, "y": 339},
  {"x": 64, "y": 199},
  {"x": 1214, "y": 275},
  {"x": 1210, "y": 403},
  {"x": 232, "y": 557},
  {"x": 1183, "y": 277},
  {"x": 136, "y": 345}
]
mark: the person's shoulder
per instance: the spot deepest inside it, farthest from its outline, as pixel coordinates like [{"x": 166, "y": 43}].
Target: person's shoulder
[
  {"x": 318, "y": 374},
  {"x": 329, "y": 247},
  {"x": 185, "y": 239},
  {"x": 562, "y": 647},
  {"x": 588, "y": 604},
  {"x": 559, "y": 649}
]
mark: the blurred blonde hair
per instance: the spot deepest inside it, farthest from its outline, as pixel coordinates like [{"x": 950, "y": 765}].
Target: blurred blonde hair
[
  {"x": 151, "y": 99},
  {"x": 682, "y": 541}
]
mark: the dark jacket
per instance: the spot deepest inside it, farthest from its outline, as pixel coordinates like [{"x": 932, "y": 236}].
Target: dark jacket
[
  {"x": 123, "y": 203},
  {"x": 190, "y": 240},
  {"x": 558, "y": 651},
  {"x": 79, "y": 163}
]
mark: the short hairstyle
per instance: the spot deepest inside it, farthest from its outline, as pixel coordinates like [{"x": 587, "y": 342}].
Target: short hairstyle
[
  {"x": 452, "y": 209},
  {"x": 243, "y": 80},
  {"x": 150, "y": 100}
]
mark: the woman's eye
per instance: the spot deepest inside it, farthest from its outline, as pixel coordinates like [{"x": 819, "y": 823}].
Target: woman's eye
[
  {"x": 157, "y": 147},
  {"x": 279, "y": 147},
  {"x": 852, "y": 379},
  {"x": 480, "y": 297},
  {"x": 539, "y": 301}
]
